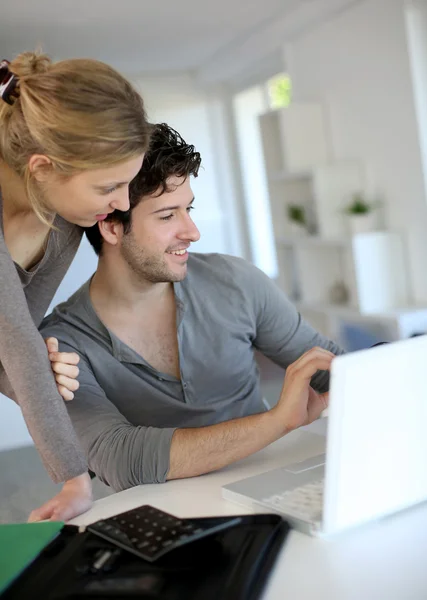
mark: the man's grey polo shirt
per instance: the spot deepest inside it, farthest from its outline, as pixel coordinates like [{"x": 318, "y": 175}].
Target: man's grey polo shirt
[{"x": 125, "y": 412}]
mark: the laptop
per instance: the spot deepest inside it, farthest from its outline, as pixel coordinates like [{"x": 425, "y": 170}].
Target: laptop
[{"x": 376, "y": 451}]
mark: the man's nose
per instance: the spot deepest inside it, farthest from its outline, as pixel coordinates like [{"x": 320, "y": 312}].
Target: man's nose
[{"x": 190, "y": 232}]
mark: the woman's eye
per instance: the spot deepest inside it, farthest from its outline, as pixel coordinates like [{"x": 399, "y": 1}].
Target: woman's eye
[
  {"x": 110, "y": 190},
  {"x": 190, "y": 208}
]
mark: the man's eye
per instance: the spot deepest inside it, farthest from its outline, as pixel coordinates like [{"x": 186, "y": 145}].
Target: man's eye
[{"x": 168, "y": 218}]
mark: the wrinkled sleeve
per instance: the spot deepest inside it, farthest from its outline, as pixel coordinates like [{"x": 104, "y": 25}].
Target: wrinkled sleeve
[{"x": 26, "y": 375}]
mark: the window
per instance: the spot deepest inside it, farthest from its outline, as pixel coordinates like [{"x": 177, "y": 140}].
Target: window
[
  {"x": 279, "y": 89},
  {"x": 248, "y": 105}
]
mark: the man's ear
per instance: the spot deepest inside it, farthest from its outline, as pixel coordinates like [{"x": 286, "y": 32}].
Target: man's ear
[
  {"x": 111, "y": 231},
  {"x": 40, "y": 167}
]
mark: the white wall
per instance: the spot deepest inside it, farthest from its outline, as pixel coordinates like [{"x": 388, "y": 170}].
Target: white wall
[
  {"x": 176, "y": 100},
  {"x": 416, "y": 27},
  {"x": 358, "y": 65}
]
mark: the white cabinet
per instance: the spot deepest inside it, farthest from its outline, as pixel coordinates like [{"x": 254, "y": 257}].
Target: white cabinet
[
  {"x": 294, "y": 138},
  {"x": 369, "y": 267},
  {"x": 333, "y": 186},
  {"x": 334, "y": 277},
  {"x": 380, "y": 272}
]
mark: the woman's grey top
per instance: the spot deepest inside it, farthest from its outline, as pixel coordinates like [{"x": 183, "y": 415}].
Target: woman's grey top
[{"x": 25, "y": 371}]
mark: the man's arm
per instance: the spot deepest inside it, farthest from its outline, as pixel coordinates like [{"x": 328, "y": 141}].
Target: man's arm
[
  {"x": 121, "y": 454},
  {"x": 204, "y": 449},
  {"x": 124, "y": 455}
]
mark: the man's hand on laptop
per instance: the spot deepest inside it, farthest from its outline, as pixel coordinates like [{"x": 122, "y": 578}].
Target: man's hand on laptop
[
  {"x": 65, "y": 369},
  {"x": 299, "y": 403}
]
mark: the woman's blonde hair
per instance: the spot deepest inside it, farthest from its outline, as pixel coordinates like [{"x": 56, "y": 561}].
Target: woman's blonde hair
[{"x": 80, "y": 113}]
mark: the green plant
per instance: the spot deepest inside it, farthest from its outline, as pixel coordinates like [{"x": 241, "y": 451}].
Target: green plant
[
  {"x": 296, "y": 214},
  {"x": 359, "y": 206},
  {"x": 280, "y": 91}
]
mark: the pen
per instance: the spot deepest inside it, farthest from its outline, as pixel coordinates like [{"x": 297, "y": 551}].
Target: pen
[
  {"x": 104, "y": 560},
  {"x": 100, "y": 561},
  {"x": 109, "y": 563}
]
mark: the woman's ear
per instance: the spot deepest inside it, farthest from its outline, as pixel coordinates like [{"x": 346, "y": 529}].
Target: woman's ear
[{"x": 111, "y": 231}]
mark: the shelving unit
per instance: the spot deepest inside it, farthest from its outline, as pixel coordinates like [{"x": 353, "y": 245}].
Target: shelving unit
[{"x": 368, "y": 269}]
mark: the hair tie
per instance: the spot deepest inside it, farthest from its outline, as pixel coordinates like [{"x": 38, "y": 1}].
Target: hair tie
[{"x": 8, "y": 83}]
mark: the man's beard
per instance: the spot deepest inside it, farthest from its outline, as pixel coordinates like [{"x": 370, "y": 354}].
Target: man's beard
[{"x": 147, "y": 267}]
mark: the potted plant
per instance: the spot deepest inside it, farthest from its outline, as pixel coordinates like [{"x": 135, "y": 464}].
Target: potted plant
[
  {"x": 297, "y": 219},
  {"x": 362, "y": 215}
]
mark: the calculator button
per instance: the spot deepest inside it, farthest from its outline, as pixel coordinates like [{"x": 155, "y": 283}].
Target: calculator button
[{"x": 150, "y": 533}]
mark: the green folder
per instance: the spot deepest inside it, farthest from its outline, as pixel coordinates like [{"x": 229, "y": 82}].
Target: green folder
[{"x": 20, "y": 544}]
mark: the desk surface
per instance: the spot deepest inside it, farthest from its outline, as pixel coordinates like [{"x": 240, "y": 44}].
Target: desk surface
[{"x": 386, "y": 560}]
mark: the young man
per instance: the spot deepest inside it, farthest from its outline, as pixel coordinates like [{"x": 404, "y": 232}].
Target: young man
[{"x": 169, "y": 385}]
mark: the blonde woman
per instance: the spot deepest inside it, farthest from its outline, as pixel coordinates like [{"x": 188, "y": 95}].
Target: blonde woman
[{"x": 72, "y": 137}]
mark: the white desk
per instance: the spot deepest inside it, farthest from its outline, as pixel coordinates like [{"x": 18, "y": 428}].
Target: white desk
[{"x": 382, "y": 561}]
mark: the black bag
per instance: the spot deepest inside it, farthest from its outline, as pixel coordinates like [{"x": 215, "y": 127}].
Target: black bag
[{"x": 230, "y": 565}]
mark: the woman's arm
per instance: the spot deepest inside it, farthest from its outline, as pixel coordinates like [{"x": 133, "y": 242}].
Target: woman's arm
[
  {"x": 27, "y": 376},
  {"x": 24, "y": 358}
]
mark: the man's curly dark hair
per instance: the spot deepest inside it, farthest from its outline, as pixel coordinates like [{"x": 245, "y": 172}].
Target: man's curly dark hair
[{"x": 168, "y": 156}]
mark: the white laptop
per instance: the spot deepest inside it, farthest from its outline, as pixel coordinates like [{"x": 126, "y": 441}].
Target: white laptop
[{"x": 376, "y": 452}]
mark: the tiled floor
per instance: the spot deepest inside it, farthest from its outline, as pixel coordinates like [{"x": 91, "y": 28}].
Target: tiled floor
[{"x": 24, "y": 484}]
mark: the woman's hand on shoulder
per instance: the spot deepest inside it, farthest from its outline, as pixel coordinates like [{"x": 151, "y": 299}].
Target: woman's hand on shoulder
[{"x": 65, "y": 369}]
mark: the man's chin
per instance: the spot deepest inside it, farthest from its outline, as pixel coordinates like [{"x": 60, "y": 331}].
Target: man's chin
[
  {"x": 179, "y": 275},
  {"x": 176, "y": 272}
]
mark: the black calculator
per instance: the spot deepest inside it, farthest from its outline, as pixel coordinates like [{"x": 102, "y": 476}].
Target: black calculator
[{"x": 151, "y": 533}]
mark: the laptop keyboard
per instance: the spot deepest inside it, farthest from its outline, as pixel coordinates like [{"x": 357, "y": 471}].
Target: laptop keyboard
[{"x": 304, "y": 502}]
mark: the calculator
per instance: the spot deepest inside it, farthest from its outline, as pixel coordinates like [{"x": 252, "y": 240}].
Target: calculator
[{"x": 151, "y": 533}]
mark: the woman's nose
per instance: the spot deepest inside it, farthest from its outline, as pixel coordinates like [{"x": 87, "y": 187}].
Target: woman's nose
[{"x": 121, "y": 202}]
